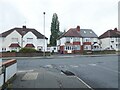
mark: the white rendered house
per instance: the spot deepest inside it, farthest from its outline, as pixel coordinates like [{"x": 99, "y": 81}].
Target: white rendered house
[
  {"x": 77, "y": 40},
  {"x": 110, "y": 40},
  {"x": 17, "y": 38}
]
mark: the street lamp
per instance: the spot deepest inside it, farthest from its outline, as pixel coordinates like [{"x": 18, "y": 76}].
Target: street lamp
[{"x": 44, "y": 33}]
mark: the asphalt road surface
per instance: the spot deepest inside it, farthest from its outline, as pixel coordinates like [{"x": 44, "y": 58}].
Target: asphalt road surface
[{"x": 95, "y": 71}]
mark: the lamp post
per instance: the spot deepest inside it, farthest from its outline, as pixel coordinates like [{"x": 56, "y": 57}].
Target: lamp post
[{"x": 44, "y": 33}]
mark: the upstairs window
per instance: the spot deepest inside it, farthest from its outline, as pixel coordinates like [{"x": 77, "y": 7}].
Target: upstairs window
[
  {"x": 76, "y": 39},
  {"x": 30, "y": 40},
  {"x": 67, "y": 39},
  {"x": 14, "y": 40},
  {"x": 86, "y": 39}
]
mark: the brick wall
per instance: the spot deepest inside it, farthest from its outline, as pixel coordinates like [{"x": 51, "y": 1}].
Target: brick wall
[
  {"x": 7, "y": 54},
  {"x": 14, "y": 54}
]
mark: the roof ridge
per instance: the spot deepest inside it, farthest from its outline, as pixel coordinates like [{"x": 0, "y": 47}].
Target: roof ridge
[{"x": 19, "y": 30}]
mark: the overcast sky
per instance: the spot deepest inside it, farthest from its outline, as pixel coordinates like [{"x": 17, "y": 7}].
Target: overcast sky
[{"x": 98, "y": 15}]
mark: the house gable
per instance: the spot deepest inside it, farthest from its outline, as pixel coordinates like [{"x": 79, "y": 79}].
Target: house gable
[
  {"x": 23, "y": 31},
  {"x": 110, "y": 34}
]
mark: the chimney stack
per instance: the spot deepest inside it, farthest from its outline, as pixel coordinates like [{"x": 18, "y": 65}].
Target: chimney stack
[
  {"x": 115, "y": 29},
  {"x": 24, "y": 27},
  {"x": 78, "y": 28}
]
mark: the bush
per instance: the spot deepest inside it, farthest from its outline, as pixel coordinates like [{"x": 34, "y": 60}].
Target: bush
[
  {"x": 13, "y": 51},
  {"x": 27, "y": 50},
  {"x": 8, "y": 51},
  {"x": 104, "y": 52}
]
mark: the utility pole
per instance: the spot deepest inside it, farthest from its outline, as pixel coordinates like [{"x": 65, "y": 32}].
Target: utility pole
[{"x": 44, "y": 33}]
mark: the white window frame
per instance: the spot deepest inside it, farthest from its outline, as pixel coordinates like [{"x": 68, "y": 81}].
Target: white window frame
[
  {"x": 14, "y": 40},
  {"x": 30, "y": 40}
]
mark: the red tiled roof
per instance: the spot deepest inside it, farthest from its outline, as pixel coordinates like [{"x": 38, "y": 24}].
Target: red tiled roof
[
  {"x": 14, "y": 45},
  {"x": 77, "y": 32},
  {"x": 71, "y": 33},
  {"x": 30, "y": 45},
  {"x": 110, "y": 33}
]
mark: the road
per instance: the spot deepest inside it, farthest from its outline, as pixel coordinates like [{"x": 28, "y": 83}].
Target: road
[{"x": 95, "y": 71}]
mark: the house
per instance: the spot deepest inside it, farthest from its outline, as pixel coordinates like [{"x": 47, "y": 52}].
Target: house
[
  {"x": 17, "y": 38},
  {"x": 52, "y": 49},
  {"x": 110, "y": 40},
  {"x": 77, "y": 40}
]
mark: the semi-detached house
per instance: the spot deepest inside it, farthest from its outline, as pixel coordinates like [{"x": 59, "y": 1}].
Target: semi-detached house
[
  {"x": 17, "y": 38},
  {"x": 77, "y": 40},
  {"x": 110, "y": 40}
]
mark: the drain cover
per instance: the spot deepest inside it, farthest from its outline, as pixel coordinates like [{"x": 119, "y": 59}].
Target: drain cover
[{"x": 68, "y": 73}]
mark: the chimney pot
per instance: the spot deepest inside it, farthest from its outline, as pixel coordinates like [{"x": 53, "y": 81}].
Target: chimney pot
[
  {"x": 78, "y": 28},
  {"x": 24, "y": 26},
  {"x": 115, "y": 29}
]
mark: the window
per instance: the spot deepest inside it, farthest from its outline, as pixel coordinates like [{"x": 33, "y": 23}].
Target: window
[
  {"x": 87, "y": 47},
  {"x": 95, "y": 42},
  {"x": 84, "y": 31},
  {"x": 68, "y": 40},
  {"x": 54, "y": 48},
  {"x": 14, "y": 40},
  {"x": 76, "y": 39},
  {"x": 87, "y": 39},
  {"x": 116, "y": 45},
  {"x": 30, "y": 40},
  {"x": 77, "y": 47},
  {"x": 90, "y": 31},
  {"x": 68, "y": 48},
  {"x": 3, "y": 49}
]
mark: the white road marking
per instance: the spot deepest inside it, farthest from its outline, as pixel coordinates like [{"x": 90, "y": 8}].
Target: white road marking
[
  {"x": 74, "y": 66},
  {"x": 30, "y": 76},
  {"x": 22, "y": 71},
  {"x": 104, "y": 68},
  {"x": 108, "y": 69},
  {"x": 84, "y": 83},
  {"x": 92, "y": 64},
  {"x": 48, "y": 66}
]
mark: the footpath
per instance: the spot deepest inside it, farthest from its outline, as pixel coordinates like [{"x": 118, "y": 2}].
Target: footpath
[
  {"x": 60, "y": 56},
  {"x": 46, "y": 78}
]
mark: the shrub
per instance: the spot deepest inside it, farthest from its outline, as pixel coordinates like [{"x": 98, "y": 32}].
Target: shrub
[
  {"x": 13, "y": 51},
  {"x": 8, "y": 51},
  {"x": 27, "y": 50}
]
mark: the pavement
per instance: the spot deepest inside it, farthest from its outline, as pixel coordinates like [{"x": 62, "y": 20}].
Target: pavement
[
  {"x": 60, "y": 56},
  {"x": 46, "y": 78}
]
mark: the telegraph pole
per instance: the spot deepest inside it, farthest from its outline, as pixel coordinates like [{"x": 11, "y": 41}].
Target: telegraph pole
[{"x": 44, "y": 33}]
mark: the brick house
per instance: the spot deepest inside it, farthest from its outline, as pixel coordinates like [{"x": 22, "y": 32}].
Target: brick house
[{"x": 77, "y": 40}]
